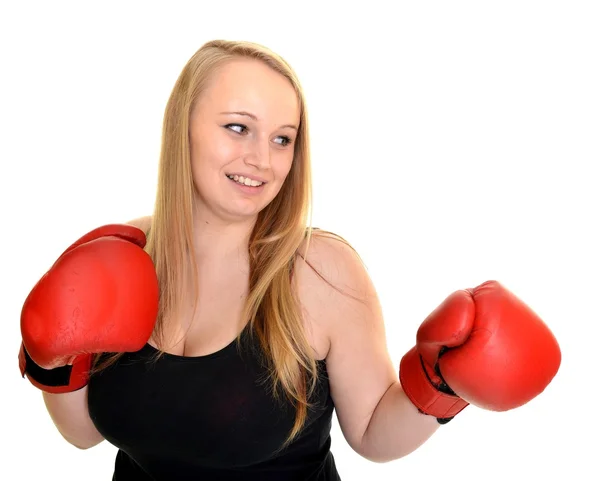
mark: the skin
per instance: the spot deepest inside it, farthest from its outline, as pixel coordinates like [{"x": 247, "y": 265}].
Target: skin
[{"x": 258, "y": 143}]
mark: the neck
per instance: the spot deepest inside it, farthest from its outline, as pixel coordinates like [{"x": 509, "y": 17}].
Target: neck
[{"x": 217, "y": 242}]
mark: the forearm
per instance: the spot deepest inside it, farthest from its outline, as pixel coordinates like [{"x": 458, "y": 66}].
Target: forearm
[
  {"x": 396, "y": 428},
  {"x": 70, "y": 415}
]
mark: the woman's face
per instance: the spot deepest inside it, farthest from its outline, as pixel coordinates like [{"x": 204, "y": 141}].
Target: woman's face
[{"x": 242, "y": 135}]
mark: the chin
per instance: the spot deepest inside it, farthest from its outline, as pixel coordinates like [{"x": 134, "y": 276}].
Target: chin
[
  {"x": 242, "y": 215},
  {"x": 247, "y": 208}
]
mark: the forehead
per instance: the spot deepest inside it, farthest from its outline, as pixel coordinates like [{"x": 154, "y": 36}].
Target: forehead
[{"x": 251, "y": 86}]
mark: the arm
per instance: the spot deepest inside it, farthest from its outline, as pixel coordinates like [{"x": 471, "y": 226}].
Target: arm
[
  {"x": 460, "y": 356},
  {"x": 67, "y": 404},
  {"x": 377, "y": 419},
  {"x": 69, "y": 412},
  {"x": 396, "y": 427}
]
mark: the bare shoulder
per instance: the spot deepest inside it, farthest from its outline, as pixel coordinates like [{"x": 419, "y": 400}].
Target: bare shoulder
[
  {"x": 143, "y": 223},
  {"x": 329, "y": 279},
  {"x": 328, "y": 263}
]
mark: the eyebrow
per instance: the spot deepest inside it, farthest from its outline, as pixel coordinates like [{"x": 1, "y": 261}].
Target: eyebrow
[{"x": 253, "y": 117}]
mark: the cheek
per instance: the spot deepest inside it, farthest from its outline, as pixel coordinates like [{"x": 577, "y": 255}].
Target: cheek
[
  {"x": 223, "y": 151},
  {"x": 283, "y": 166},
  {"x": 213, "y": 150}
]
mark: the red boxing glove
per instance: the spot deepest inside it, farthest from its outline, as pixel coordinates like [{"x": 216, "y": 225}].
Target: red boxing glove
[
  {"x": 481, "y": 346},
  {"x": 101, "y": 295}
]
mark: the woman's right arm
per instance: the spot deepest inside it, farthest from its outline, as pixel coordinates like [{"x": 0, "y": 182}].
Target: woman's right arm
[{"x": 69, "y": 412}]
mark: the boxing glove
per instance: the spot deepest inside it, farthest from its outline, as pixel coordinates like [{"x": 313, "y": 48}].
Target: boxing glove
[
  {"x": 101, "y": 295},
  {"x": 481, "y": 346}
]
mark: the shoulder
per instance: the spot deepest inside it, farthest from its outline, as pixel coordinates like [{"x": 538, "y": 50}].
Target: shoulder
[
  {"x": 333, "y": 286},
  {"x": 143, "y": 223},
  {"x": 331, "y": 261}
]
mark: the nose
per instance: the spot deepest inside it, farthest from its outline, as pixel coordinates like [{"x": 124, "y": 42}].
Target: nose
[{"x": 259, "y": 154}]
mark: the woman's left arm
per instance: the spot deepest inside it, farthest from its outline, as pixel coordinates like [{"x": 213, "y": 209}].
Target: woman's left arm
[
  {"x": 482, "y": 346},
  {"x": 376, "y": 417}
]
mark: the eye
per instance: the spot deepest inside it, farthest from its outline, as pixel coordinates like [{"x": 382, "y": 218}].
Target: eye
[
  {"x": 285, "y": 140},
  {"x": 238, "y": 128},
  {"x": 282, "y": 140}
]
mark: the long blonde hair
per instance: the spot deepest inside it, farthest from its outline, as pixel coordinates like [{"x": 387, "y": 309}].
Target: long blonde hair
[{"x": 271, "y": 308}]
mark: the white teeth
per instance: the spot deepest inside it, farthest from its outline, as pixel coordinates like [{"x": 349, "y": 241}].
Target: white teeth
[{"x": 240, "y": 179}]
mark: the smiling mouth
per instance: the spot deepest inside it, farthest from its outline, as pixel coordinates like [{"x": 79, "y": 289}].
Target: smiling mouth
[{"x": 245, "y": 181}]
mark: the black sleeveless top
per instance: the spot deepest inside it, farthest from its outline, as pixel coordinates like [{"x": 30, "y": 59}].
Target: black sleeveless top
[{"x": 207, "y": 418}]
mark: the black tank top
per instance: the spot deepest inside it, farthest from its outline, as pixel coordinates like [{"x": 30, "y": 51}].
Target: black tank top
[{"x": 207, "y": 418}]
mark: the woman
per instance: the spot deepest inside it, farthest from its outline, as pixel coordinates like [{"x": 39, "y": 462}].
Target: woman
[{"x": 220, "y": 333}]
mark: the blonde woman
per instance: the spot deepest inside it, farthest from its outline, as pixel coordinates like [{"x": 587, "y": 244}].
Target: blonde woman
[{"x": 215, "y": 338}]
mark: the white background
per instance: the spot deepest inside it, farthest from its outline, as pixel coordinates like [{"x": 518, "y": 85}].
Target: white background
[{"x": 453, "y": 142}]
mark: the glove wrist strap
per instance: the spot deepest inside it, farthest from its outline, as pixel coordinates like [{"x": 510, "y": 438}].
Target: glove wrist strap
[
  {"x": 419, "y": 388},
  {"x": 58, "y": 380}
]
